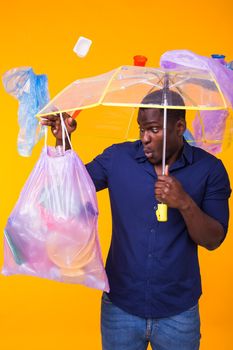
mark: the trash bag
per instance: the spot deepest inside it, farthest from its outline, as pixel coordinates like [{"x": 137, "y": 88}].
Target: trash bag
[
  {"x": 31, "y": 91},
  {"x": 185, "y": 58},
  {"x": 209, "y": 127},
  {"x": 52, "y": 231}
]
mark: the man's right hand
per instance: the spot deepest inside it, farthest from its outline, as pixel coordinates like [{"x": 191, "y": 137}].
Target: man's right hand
[{"x": 55, "y": 122}]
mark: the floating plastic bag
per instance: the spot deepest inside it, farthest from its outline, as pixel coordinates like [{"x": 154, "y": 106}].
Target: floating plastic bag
[
  {"x": 188, "y": 59},
  {"x": 209, "y": 126},
  {"x": 52, "y": 231},
  {"x": 31, "y": 91}
]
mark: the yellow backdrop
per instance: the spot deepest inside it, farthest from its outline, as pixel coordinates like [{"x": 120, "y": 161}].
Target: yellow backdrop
[{"x": 41, "y": 314}]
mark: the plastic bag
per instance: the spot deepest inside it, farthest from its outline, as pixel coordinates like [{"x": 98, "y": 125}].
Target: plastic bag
[
  {"x": 209, "y": 127},
  {"x": 31, "y": 90},
  {"x": 52, "y": 231},
  {"x": 185, "y": 58}
]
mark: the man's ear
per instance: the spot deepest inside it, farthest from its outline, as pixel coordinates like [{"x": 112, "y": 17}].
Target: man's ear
[{"x": 180, "y": 127}]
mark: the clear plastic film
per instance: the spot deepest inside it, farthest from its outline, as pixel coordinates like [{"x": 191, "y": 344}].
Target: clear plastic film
[
  {"x": 31, "y": 91},
  {"x": 209, "y": 127},
  {"x": 126, "y": 87}
]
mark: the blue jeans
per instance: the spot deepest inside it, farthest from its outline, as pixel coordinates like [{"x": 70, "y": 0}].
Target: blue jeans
[{"x": 123, "y": 331}]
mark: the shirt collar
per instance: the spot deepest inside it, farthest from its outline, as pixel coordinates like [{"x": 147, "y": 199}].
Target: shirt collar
[{"x": 187, "y": 152}]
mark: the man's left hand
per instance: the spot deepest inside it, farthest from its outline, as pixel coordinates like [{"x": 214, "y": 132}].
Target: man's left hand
[{"x": 168, "y": 190}]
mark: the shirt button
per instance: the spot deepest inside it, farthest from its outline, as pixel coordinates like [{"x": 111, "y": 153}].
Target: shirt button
[
  {"x": 149, "y": 255},
  {"x": 152, "y": 230}
]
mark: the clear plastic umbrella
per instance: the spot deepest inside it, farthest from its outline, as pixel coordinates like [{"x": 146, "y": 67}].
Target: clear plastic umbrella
[{"x": 127, "y": 86}]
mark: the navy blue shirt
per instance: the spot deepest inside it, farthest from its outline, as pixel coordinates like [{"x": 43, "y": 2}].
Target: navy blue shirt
[{"x": 152, "y": 266}]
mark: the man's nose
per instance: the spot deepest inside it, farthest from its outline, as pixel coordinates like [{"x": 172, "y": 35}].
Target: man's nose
[{"x": 146, "y": 137}]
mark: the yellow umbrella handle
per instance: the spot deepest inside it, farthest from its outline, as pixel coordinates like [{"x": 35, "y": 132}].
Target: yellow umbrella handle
[{"x": 161, "y": 212}]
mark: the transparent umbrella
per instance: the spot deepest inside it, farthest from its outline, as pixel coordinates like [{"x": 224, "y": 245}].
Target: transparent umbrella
[{"x": 127, "y": 87}]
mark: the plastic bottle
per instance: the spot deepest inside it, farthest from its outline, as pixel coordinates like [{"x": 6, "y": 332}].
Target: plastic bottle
[{"x": 220, "y": 58}]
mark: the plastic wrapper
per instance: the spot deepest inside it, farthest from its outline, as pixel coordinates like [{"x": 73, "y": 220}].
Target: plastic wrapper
[
  {"x": 52, "y": 231},
  {"x": 189, "y": 137},
  {"x": 187, "y": 59},
  {"x": 31, "y": 91},
  {"x": 209, "y": 127}
]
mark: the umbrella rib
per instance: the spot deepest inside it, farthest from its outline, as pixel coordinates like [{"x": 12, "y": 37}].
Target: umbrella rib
[
  {"x": 179, "y": 82},
  {"x": 202, "y": 126},
  {"x": 130, "y": 122},
  {"x": 109, "y": 83},
  {"x": 135, "y": 83},
  {"x": 182, "y": 93},
  {"x": 218, "y": 87}
]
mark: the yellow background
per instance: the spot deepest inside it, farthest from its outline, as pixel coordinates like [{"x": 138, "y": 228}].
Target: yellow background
[{"x": 41, "y": 314}]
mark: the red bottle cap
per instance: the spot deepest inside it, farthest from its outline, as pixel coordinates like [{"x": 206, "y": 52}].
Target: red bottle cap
[{"x": 140, "y": 60}]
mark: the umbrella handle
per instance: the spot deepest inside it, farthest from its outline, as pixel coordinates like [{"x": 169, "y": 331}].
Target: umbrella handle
[{"x": 161, "y": 212}]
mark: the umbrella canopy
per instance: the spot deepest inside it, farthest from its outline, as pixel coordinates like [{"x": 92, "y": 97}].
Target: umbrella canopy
[{"x": 126, "y": 86}]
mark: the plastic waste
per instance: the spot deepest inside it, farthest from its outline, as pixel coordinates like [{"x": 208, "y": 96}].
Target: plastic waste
[
  {"x": 31, "y": 91},
  {"x": 230, "y": 65},
  {"x": 189, "y": 137},
  {"x": 82, "y": 46},
  {"x": 140, "y": 60},
  {"x": 184, "y": 58},
  {"x": 208, "y": 126},
  {"x": 52, "y": 231},
  {"x": 219, "y": 58}
]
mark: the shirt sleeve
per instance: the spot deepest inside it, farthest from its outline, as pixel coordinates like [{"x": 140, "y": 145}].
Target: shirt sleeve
[
  {"x": 100, "y": 167},
  {"x": 218, "y": 191}
]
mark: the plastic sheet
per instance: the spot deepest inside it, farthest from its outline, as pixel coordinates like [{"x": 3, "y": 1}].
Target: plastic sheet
[
  {"x": 31, "y": 91},
  {"x": 209, "y": 129},
  {"x": 208, "y": 126}
]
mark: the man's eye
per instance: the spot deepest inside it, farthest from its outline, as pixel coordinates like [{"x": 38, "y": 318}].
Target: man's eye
[
  {"x": 141, "y": 129},
  {"x": 155, "y": 130}
]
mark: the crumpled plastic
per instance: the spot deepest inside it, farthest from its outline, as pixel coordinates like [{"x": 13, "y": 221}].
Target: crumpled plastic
[
  {"x": 208, "y": 126},
  {"x": 52, "y": 231},
  {"x": 31, "y": 91}
]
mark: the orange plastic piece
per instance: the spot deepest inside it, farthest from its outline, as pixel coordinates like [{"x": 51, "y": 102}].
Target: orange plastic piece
[{"x": 140, "y": 60}]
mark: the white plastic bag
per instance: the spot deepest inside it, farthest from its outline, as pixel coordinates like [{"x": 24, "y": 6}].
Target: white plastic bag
[{"x": 52, "y": 231}]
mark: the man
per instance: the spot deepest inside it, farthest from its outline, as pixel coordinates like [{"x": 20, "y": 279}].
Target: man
[{"x": 153, "y": 266}]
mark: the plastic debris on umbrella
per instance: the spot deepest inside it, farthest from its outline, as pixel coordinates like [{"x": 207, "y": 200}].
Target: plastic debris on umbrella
[
  {"x": 140, "y": 60},
  {"x": 31, "y": 91},
  {"x": 209, "y": 127}
]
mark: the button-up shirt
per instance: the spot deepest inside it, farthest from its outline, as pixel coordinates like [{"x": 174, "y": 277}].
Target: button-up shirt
[{"x": 152, "y": 266}]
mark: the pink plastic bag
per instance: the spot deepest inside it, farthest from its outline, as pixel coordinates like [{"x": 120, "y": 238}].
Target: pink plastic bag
[
  {"x": 52, "y": 231},
  {"x": 208, "y": 126}
]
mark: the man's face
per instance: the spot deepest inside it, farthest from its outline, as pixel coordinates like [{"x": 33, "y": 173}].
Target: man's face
[{"x": 150, "y": 122}]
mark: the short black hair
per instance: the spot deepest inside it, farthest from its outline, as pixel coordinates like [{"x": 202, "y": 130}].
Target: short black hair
[{"x": 173, "y": 98}]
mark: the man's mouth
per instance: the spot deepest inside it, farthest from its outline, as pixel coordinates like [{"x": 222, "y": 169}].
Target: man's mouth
[{"x": 148, "y": 153}]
